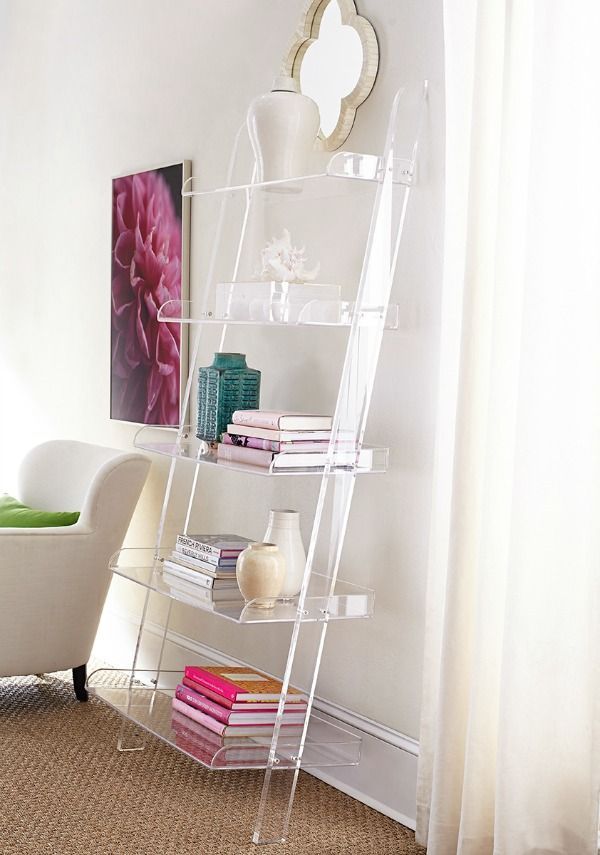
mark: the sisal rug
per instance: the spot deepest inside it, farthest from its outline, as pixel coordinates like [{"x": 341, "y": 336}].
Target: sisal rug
[{"x": 66, "y": 790}]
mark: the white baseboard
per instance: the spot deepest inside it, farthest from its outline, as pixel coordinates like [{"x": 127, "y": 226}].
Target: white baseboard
[{"x": 386, "y": 777}]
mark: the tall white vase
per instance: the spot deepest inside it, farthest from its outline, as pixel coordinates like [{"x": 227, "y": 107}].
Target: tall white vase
[
  {"x": 283, "y": 126},
  {"x": 284, "y": 530}
]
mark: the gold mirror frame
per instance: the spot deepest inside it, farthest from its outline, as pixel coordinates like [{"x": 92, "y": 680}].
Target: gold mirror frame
[{"x": 308, "y": 33}]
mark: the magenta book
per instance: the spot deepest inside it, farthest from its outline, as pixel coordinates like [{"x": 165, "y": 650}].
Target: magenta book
[
  {"x": 240, "y": 683},
  {"x": 280, "y": 420},
  {"x": 241, "y": 706}
]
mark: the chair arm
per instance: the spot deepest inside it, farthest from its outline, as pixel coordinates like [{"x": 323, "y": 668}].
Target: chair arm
[
  {"x": 53, "y": 583},
  {"x": 25, "y": 551},
  {"x": 76, "y": 530}
]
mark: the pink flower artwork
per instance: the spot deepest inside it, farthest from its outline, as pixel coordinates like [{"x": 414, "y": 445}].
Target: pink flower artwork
[{"x": 146, "y": 272}]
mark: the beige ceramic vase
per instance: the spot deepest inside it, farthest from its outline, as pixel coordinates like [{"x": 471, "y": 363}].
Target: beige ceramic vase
[{"x": 260, "y": 571}]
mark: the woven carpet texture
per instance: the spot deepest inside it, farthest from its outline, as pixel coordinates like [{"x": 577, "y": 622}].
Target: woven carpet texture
[{"x": 66, "y": 790}]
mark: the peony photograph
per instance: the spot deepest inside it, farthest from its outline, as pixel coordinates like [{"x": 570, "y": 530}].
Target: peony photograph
[{"x": 149, "y": 266}]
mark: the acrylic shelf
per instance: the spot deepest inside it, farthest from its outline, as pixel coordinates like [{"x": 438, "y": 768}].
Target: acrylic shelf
[
  {"x": 350, "y": 215},
  {"x": 188, "y": 447},
  {"x": 343, "y": 167},
  {"x": 349, "y": 601},
  {"x": 317, "y": 313},
  {"x": 326, "y": 743}
]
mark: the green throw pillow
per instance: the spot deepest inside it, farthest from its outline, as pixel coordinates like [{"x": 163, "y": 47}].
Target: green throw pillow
[{"x": 13, "y": 514}]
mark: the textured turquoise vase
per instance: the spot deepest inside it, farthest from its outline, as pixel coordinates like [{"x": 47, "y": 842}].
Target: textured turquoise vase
[{"x": 223, "y": 387}]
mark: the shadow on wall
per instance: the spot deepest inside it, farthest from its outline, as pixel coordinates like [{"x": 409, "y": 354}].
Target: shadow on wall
[{"x": 18, "y": 407}]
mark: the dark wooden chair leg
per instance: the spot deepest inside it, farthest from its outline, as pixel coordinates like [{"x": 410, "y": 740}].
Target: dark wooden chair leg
[{"x": 79, "y": 678}]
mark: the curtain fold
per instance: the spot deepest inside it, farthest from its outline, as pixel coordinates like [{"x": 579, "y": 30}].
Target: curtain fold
[{"x": 509, "y": 742}]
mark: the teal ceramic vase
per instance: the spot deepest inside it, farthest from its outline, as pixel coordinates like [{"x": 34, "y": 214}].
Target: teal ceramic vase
[{"x": 223, "y": 387}]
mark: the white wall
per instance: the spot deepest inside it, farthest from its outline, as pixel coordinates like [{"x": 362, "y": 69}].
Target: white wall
[{"x": 91, "y": 90}]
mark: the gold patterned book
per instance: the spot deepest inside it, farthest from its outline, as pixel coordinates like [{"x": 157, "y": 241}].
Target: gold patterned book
[{"x": 241, "y": 684}]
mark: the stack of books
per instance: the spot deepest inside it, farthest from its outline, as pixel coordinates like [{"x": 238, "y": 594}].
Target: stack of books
[
  {"x": 221, "y": 704},
  {"x": 206, "y": 746},
  {"x": 280, "y": 441},
  {"x": 201, "y": 568}
]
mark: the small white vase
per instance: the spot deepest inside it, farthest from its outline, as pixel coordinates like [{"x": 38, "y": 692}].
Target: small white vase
[
  {"x": 260, "y": 573},
  {"x": 283, "y": 126},
  {"x": 284, "y": 530}
]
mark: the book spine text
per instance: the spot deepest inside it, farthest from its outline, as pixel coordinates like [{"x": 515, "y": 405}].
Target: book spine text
[
  {"x": 203, "y": 704},
  {"x": 212, "y": 682},
  {"x": 205, "y": 720}
]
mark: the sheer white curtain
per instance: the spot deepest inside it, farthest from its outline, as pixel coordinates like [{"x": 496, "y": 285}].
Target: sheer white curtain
[{"x": 509, "y": 745}]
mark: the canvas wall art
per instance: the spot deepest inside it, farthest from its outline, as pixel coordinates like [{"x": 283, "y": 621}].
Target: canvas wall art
[{"x": 149, "y": 266}]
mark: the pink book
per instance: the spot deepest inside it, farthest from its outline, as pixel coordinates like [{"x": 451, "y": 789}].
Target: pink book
[
  {"x": 184, "y": 725},
  {"x": 253, "y": 714},
  {"x": 205, "y": 720},
  {"x": 276, "y": 446},
  {"x": 306, "y": 460},
  {"x": 281, "y": 420},
  {"x": 215, "y": 726},
  {"x": 250, "y": 456},
  {"x": 241, "y": 706},
  {"x": 199, "y": 702},
  {"x": 204, "y": 745},
  {"x": 241, "y": 683},
  {"x": 253, "y": 442}
]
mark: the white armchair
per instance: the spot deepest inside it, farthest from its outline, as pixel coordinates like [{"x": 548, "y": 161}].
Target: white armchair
[{"x": 54, "y": 581}]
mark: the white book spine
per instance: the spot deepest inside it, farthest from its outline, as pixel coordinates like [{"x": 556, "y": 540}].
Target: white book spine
[
  {"x": 194, "y": 576},
  {"x": 200, "y": 554}
]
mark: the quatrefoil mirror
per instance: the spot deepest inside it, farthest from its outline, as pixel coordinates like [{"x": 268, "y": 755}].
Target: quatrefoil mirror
[{"x": 334, "y": 58}]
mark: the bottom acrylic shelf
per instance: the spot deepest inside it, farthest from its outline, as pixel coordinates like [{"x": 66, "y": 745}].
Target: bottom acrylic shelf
[{"x": 326, "y": 744}]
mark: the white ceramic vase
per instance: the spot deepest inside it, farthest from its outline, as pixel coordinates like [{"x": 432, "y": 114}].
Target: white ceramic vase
[
  {"x": 283, "y": 126},
  {"x": 284, "y": 530},
  {"x": 260, "y": 573}
]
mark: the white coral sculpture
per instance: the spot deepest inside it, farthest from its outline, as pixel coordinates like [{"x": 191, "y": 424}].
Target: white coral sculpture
[{"x": 282, "y": 262}]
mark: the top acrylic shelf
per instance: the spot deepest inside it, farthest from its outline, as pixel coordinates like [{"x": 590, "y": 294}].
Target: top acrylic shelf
[
  {"x": 344, "y": 165},
  {"x": 281, "y": 310}
]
